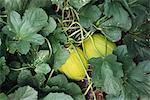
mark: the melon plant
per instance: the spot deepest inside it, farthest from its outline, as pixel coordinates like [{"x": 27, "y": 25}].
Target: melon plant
[{"x": 74, "y": 49}]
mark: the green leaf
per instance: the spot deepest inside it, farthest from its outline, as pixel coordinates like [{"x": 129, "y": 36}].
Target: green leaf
[
  {"x": 24, "y": 93},
  {"x": 42, "y": 68},
  {"x": 60, "y": 35},
  {"x": 57, "y": 96},
  {"x": 124, "y": 58},
  {"x": 60, "y": 83},
  {"x": 36, "y": 39},
  {"x": 79, "y": 3},
  {"x": 107, "y": 75},
  {"x": 117, "y": 70},
  {"x": 88, "y": 15},
  {"x": 25, "y": 78},
  {"x": 118, "y": 21},
  {"x": 4, "y": 70},
  {"x": 131, "y": 45},
  {"x": 144, "y": 53},
  {"x": 57, "y": 39},
  {"x": 113, "y": 23},
  {"x": 17, "y": 5},
  {"x": 3, "y": 96},
  {"x": 104, "y": 72},
  {"x": 96, "y": 75},
  {"x": 22, "y": 32},
  {"x": 50, "y": 27},
  {"x": 1, "y": 3},
  {"x": 23, "y": 47},
  {"x": 127, "y": 6},
  {"x": 127, "y": 93},
  {"x": 36, "y": 17},
  {"x": 73, "y": 89},
  {"x": 112, "y": 33},
  {"x": 60, "y": 57},
  {"x": 38, "y": 3},
  {"x": 13, "y": 75},
  {"x": 41, "y": 57},
  {"x": 141, "y": 13},
  {"x": 39, "y": 79},
  {"x": 121, "y": 51},
  {"x": 139, "y": 77},
  {"x": 59, "y": 80},
  {"x": 55, "y": 44},
  {"x": 138, "y": 46},
  {"x": 120, "y": 16}
]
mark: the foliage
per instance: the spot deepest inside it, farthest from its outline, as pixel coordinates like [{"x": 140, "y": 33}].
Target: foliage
[{"x": 35, "y": 37}]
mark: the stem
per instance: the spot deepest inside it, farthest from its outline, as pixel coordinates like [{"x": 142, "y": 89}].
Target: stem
[
  {"x": 74, "y": 33},
  {"x": 87, "y": 90},
  {"x": 16, "y": 86},
  {"x": 69, "y": 26},
  {"x": 18, "y": 69},
  {"x": 77, "y": 15},
  {"x": 3, "y": 15},
  {"x": 50, "y": 75},
  {"x": 101, "y": 20},
  {"x": 3, "y": 22},
  {"x": 50, "y": 48},
  {"x": 66, "y": 21},
  {"x": 93, "y": 93}
]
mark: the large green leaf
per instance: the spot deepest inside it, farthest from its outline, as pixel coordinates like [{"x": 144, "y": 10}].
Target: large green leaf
[
  {"x": 73, "y": 89},
  {"x": 120, "y": 16},
  {"x": 88, "y": 15},
  {"x": 24, "y": 93},
  {"x": 17, "y": 5},
  {"x": 124, "y": 58},
  {"x": 112, "y": 33},
  {"x": 139, "y": 77},
  {"x": 125, "y": 4},
  {"x": 22, "y": 32},
  {"x": 60, "y": 83},
  {"x": 50, "y": 27},
  {"x": 59, "y": 80},
  {"x": 57, "y": 96},
  {"x": 104, "y": 72},
  {"x": 3, "y": 96},
  {"x": 41, "y": 57},
  {"x": 138, "y": 46},
  {"x": 141, "y": 15},
  {"x": 118, "y": 21},
  {"x": 60, "y": 57},
  {"x": 57, "y": 38},
  {"x": 79, "y": 3},
  {"x": 127, "y": 93},
  {"x": 60, "y": 35},
  {"x": 25, "y": 77},
  {"x": 42, "y": 68},
  {"x": 38, "y": 3}
]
